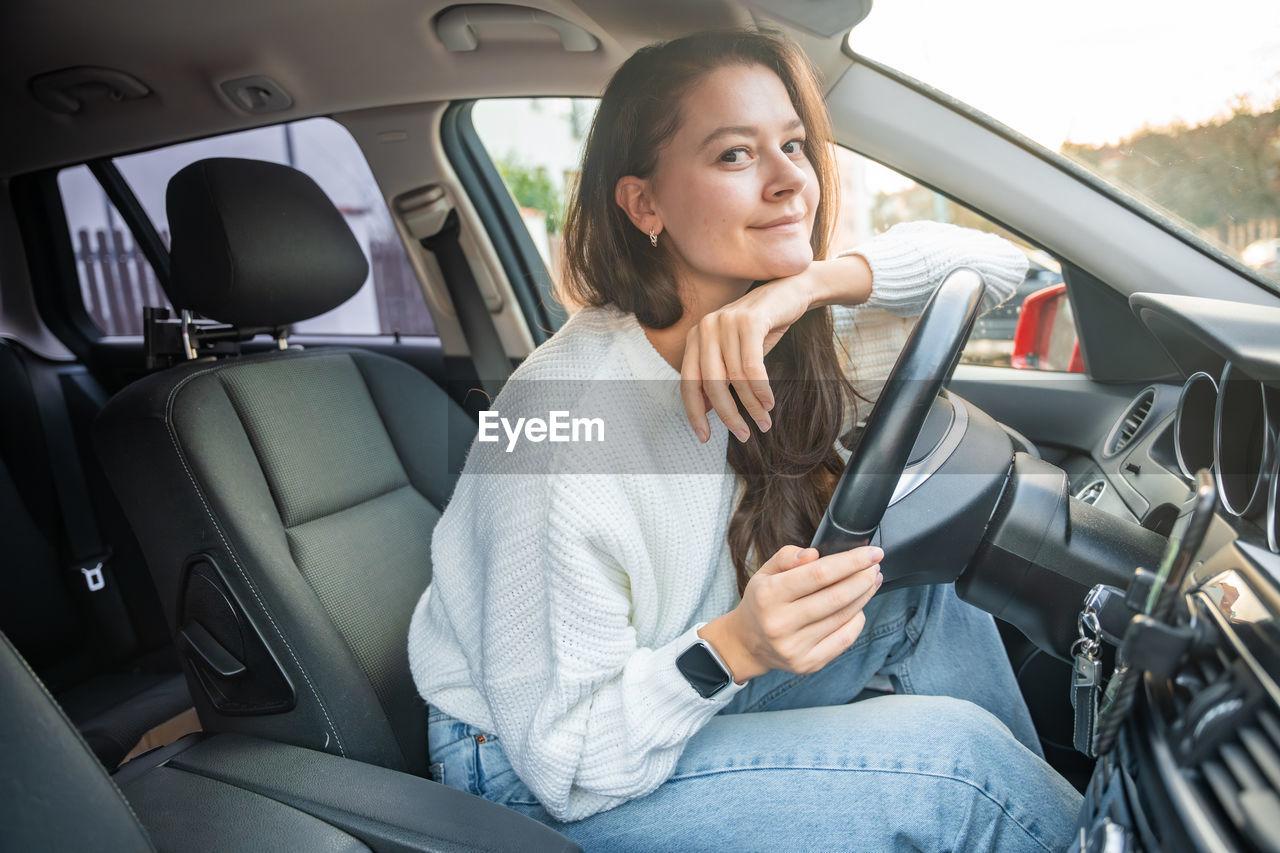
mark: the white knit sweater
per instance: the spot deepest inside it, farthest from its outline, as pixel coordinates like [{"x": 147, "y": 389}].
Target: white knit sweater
[{"x": 568, "y": 577}]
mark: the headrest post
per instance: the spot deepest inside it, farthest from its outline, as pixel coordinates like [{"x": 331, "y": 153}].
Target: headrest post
[{"x": 187, "y": 343}]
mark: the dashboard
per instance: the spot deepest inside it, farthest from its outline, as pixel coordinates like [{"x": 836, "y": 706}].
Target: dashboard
[
  {"x": 1203, "y": 741},
  {"x": 1225, "y": 417}
]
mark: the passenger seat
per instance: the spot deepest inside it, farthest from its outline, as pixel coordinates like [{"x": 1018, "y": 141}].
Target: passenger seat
[{"x": 285, "y": 500}]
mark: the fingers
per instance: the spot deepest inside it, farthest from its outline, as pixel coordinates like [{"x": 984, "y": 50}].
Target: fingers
[
  {"x": 743, "y": 350},
  {"x": 831, "y": 646},
  {"x": 803, "y": 633},
  {"x": 788, "y": 557},
  {"x": 828, "y": 608},
  {"x": 829, "y": 570},
  {"x": 726, "y": 351},
  {"x": 823, "y": 628},
  {"x": 715, "y": 383},
  {"x": 691, "y": 388}
]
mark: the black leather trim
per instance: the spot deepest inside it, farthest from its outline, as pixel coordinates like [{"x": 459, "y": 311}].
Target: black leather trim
[
  {"x": 189, "y": 811},
  {"x": 384, "y": 809},
  {"x": 54, "y": 794}
]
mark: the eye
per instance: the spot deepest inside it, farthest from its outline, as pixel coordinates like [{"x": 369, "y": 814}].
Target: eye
[
  {"x": 795, "y": 146},
  {"x": 735, "y": 155}
]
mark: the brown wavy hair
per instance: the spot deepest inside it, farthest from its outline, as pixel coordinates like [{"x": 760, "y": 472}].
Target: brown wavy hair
[{"x": 788, "y": 473}]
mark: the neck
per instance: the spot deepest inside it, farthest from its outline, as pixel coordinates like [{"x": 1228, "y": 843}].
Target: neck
[{"x": 698, "y": 301}]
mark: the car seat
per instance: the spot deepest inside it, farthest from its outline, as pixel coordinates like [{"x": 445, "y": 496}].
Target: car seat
[
  {"x": 285, "y": 500},
  {"x": 223, "y": 792}
]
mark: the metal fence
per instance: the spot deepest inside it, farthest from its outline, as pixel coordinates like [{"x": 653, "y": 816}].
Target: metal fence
[{"x": 116, "y": 280}]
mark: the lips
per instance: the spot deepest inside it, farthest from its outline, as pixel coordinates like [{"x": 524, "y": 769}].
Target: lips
[{"x": 782, "y": 221}]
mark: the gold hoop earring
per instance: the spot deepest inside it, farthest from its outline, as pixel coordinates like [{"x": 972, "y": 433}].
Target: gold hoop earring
[{"x": 653, "y": 239}]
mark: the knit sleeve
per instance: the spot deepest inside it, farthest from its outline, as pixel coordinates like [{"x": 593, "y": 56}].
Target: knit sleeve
[
  {"x": 587, "y": 717},
  {"x": 908, "y": 262},
  {"x": 911, "y": 259}
]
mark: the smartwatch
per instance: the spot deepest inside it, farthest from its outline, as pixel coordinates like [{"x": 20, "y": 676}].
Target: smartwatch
[{"x": 703, "y": 669}]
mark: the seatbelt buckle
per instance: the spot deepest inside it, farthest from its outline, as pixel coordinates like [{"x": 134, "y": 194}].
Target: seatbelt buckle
[{"x": 93, "y": 571}]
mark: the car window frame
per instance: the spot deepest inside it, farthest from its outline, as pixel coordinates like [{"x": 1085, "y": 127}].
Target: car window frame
[
  {"x": 51, "y": 263},
  {"x": 478, "y": 176}
]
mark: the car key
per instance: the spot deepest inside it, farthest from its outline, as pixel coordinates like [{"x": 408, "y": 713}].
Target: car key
[{"x": 1086, "y": 679}]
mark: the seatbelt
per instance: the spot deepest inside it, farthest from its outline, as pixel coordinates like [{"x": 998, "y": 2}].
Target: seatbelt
[
  {"x": 90, "y": 571},
  {"x": 487, "y": 352}
]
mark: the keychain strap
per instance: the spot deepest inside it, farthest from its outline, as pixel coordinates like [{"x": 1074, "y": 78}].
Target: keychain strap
[{"x": 1086, "y": 679}]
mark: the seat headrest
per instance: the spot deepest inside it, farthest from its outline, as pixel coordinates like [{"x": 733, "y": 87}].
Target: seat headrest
[{"x": 257, "y": 244}]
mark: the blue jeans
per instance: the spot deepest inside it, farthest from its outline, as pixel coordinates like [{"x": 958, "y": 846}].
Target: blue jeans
[{"x": 949, "y": 762}]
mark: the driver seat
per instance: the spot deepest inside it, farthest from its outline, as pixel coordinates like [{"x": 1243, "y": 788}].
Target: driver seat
[{"x": 285, "y": 500}]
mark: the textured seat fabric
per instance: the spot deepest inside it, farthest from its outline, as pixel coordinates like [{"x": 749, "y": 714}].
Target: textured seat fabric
[{"x": 313, "y": 480}]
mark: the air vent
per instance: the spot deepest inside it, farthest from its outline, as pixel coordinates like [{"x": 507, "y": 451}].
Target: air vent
[
  {"x": 1131, "y": 422},
  {"x": 1242, "y": 770},
  {"x": 1225, "y": 734},
  {"x": 1090, "y": 493}
]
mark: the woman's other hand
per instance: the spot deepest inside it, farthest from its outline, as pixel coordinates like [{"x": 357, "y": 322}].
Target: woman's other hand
[
  {"x": 726, "y": 348},
  {"x": 798, "y": 612}
]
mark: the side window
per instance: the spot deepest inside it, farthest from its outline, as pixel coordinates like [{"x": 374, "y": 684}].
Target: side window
[
  {"x": 116, "y": 279},
  {"x": 536, "y": 144},
  {"x": 874, "y": 198},
  {"x": 390, "y": 301}
]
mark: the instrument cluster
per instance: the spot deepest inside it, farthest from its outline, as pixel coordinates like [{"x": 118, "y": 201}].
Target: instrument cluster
[{"x": 1231, "y": 425}]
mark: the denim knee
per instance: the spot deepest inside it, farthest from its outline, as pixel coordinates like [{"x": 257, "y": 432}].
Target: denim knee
[
  {"x": 997, "y": 773},
  {"x": 897, "y": 772},
  {"x": 958, "y": 731}
]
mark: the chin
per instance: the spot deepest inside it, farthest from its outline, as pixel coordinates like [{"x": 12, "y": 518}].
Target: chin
[{"x": 792, "y": 263}]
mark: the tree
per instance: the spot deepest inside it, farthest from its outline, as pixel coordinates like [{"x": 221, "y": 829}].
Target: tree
[
  {"x": 532, "y": 187},
  {"x": 1219, "y": 175}
]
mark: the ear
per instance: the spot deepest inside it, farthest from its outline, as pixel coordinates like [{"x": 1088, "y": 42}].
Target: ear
[{"x": 633, "y": 195}]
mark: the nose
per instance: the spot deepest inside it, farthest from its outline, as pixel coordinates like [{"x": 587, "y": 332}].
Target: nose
[{"x": 786, "y": 177}]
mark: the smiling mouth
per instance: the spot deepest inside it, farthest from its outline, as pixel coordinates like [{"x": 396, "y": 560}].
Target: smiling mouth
[{"x": 781, "y": 222}]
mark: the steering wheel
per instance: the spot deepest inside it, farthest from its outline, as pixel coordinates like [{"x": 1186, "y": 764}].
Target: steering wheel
[
  {"x": 881, "y": 453},
  {"x": 942, "y": 486}
]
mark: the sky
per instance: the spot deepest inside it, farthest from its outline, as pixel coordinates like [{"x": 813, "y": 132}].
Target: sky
[{"x": 1085, "y": 71}]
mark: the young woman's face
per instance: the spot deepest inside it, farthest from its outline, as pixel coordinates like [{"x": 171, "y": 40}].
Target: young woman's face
[{"x": 733, "y": 189}]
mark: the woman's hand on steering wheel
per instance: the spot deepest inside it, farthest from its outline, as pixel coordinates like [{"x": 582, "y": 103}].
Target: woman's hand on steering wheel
[
  {"x": 727, "y": 347},
  {"x": 798, "y": 612}
]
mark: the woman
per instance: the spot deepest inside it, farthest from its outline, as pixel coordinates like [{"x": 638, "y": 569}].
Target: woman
[{"x": 601, "y": 647}]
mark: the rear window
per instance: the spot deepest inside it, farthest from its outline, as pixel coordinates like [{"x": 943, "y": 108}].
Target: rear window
[{"x": 116, "y": 281}]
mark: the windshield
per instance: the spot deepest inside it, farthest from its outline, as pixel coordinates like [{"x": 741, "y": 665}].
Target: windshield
[{"x": 1176, "y": 103}]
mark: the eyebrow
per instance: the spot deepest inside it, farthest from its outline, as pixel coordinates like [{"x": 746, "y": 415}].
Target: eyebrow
[{"x": 743, "y": 130}]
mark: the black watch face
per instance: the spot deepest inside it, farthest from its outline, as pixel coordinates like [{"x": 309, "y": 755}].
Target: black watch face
[{"x": 702, "y": 671}]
